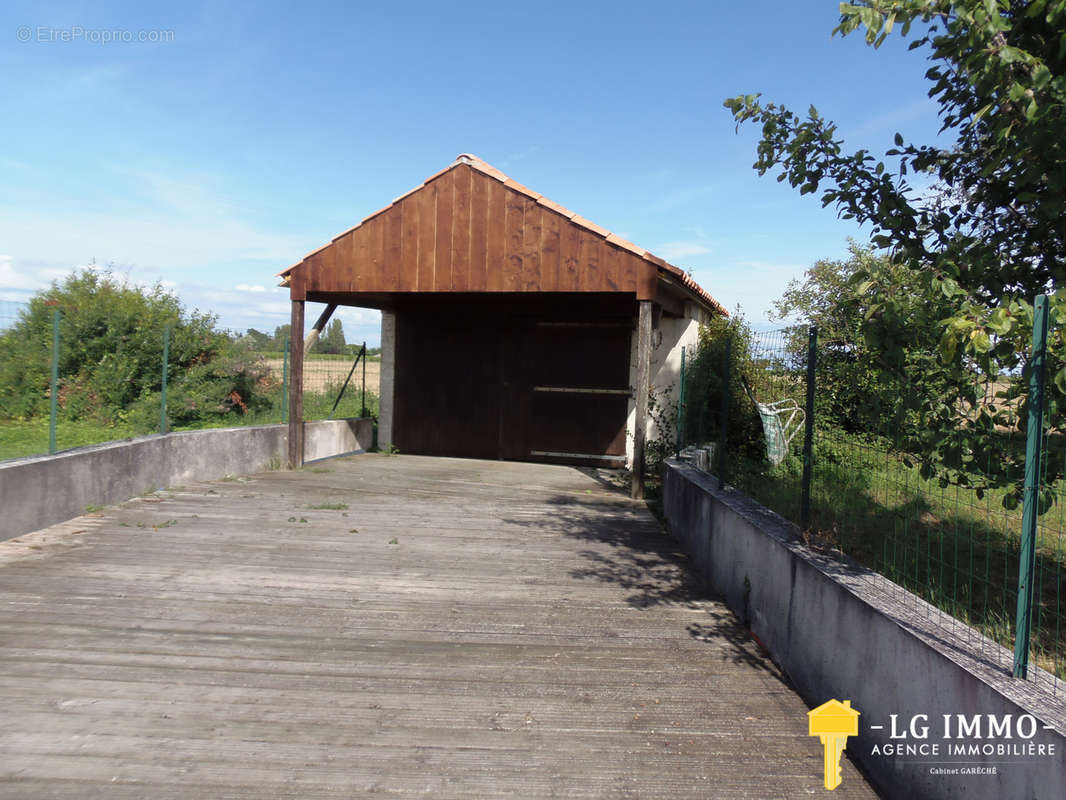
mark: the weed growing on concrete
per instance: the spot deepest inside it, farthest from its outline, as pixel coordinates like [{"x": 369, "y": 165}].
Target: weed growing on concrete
[
  {"x": 394, "y": 540},
  {"x": 328, "y": 506},
  {"x": 92, "y": 508}
]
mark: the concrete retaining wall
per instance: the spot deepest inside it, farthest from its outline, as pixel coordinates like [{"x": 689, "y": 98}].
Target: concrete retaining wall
[
  {"x": 43, "y": 490},
  {"x": 840, "y": 631}
]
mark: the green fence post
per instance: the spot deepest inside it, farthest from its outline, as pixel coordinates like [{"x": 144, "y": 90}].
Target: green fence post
[
  {"x": 681, "y": 410},
  {"x": 1031, "y": 499},
  {"x": 55, "y": 383},
  {"x": 723, "y": 416},
  {"x": 285, "y": 380},
  {"x": 163, "y": 393},
  {"x": 363, "y": 412},
  {"x": 808, "y": 431}
]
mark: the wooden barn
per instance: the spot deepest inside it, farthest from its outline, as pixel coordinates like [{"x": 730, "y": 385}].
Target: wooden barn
[{"x": 512, "y": 328}]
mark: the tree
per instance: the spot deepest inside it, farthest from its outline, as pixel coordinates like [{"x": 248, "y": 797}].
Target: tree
[
  {"x": 990, "y": 237},
  {"x": 111, "y": 353},
  {"x": 857, "y": 391},
  {"x": 705, "y": 384},
  {"x": 332, "y": 339},
  {"x": 281, "y": 336},
  {"x": 258, "y": 340}
]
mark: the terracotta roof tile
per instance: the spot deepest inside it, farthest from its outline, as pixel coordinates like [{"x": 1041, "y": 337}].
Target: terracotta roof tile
[
  {"x": 510, "y": 183},
  {"x": 317, "y": 250},
  {"x": 577, "y": 219},
  {"x": 342, "y": 234},
  {"x": 436, "y": 175},
  {"x": 407, "y": 194},
  {"x": 544, "y": 201},
  {"x": 482, "y": 166},
  {"x": 371, "y": 216},
  {"x": 614, "y": 238}
]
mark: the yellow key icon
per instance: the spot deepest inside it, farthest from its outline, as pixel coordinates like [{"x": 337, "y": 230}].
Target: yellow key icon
[{"x": 833, "y": 722}]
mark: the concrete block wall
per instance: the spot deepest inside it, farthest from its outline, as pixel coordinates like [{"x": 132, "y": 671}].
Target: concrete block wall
[
  {"x": 842, "y": 632},
  {"x": 43, "y": 490},
  {"x": 668, "y": 338},
  {"x": 387, "y": 388}
]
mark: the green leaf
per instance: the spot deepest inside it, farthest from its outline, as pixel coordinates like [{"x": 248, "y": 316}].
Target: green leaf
[
  {"x": 980, "y": 340},
  {"x": 948, "y": 345},
  {"x": 1060, "y": 380},
  {"x": 1000, "y": 321}
]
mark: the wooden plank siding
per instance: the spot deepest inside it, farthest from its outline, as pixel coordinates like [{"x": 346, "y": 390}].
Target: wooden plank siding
[{"x": 465, "y": 231}]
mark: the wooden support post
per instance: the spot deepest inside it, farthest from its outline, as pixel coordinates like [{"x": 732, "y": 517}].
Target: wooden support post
[
  {"x": 320, "y": 325},
  {"x": 296, "y": 386},
  {"x": 640, "y": 416}
]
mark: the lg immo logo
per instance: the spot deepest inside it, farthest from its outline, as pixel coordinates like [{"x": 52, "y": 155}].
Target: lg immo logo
[{"x": 944, "y": 744}]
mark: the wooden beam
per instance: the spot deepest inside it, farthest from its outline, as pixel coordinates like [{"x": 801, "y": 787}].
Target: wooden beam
[
  {"x": 296, "y": 386},
  {"x": 320, "y": 325},
  {"x": 640, "y": 416}
]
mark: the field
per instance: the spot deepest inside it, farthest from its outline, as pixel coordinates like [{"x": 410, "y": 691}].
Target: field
[{"x": 322, "y": 371}]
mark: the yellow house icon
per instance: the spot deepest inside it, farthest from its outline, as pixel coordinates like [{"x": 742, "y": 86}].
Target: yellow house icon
[
  {"x": 833, "y": 722},
  {"x": 833, "y": 718}
]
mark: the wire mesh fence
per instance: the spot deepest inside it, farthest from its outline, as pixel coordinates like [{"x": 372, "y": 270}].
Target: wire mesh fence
[
  {"x": 58, "y": 391},
  {"x": 954, "y": 551}
]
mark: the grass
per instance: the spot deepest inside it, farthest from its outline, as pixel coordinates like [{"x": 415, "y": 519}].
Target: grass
[
  {"x": 328, "y": 507},
  {"x": 956, "y": 550},
  {"x": 30, "y": 437},
  {"x": 20, "y": 438}
]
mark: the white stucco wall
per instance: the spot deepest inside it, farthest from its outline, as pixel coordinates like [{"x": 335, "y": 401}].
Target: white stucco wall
[{"x": 668, "y": 338}]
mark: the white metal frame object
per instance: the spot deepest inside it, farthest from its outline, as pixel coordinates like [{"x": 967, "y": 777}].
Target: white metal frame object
[{"x": 781, "y": 421}]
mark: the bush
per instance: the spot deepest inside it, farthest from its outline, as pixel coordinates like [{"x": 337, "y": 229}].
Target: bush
[
  {"x": 234, "y": 383},
  {"x": 111, "y": 353},
  {"x": 705, "y": 384}
]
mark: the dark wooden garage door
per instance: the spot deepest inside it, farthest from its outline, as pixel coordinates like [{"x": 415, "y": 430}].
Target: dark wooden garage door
[
  {"x": 448, "y": 390},
  {"x": 512, "y": 388},
  {"x": 579, "y": 392}
]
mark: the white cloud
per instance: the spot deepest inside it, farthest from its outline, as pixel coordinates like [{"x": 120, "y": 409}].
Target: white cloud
[
  {"x": 244, "y": 287},
  {"x": 26, "y": 278},
  {"x": 159, "y": 243},
  {"x": 676, "y": 250}
]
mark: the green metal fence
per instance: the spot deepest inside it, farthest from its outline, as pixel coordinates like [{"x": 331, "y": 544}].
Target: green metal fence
[
  {"x": 56, "y": 408},
  {"x": 990, "y": 572}
]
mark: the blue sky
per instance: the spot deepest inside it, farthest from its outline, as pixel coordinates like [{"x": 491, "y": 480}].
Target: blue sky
[{"x": 253, "y": 133}]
